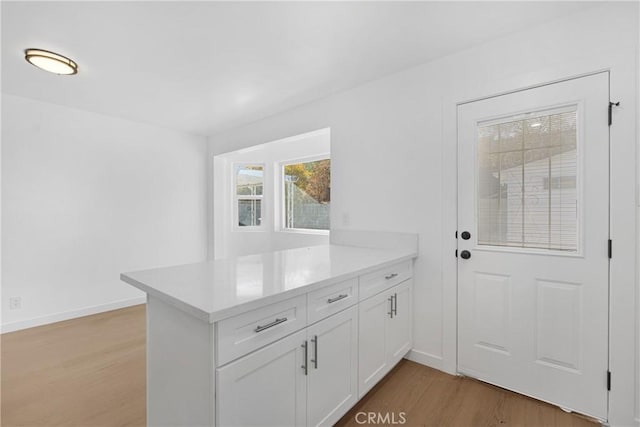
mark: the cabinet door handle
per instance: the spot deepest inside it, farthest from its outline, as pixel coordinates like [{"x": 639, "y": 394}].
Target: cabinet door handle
[
  {"x": 261, "y": 328},
  {"x": 338, "y": 298},
  {"x": 394, "y": 306},
  {"x": 391, "y": 276},
  {"x": 304, "y": 365},
  {"x": 314, "y": 340},
  {"x": 390, "y": 313}
]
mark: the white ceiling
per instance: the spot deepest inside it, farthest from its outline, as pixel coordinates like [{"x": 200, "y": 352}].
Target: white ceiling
[{"x": 203, "y": 67}]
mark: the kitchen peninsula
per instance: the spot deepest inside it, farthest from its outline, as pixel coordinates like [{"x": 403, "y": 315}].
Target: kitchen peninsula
[{"x": 292, "y": 337}]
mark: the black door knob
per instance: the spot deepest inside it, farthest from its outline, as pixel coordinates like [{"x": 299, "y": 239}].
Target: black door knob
[
  {"x": 465, "y": 235},
  {"x": 465, "y": 254}
]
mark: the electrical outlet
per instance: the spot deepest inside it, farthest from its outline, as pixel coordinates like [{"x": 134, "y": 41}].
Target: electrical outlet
[{"x": 15, "y": 303}]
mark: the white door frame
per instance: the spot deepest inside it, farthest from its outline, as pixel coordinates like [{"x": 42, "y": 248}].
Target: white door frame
[{"x": 623, "y": 218}]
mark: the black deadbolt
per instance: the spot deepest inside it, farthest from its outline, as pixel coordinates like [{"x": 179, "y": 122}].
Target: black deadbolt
[
  {"x": 465, "y": 254},
  {"x": 465, "y": 235}
]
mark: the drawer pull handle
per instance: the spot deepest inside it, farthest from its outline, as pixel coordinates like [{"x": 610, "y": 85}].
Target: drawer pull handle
[
  {"x": 391, "y": 276},
  {"x": 261, "y": 328},
  {"x": 394, "y": 307},
  {"x": 314, "y": 340},
  {"x": 338, "y": 298},
  {"x": 305, "y": 367}
]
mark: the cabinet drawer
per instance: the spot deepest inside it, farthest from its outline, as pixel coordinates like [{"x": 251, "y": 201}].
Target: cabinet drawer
[
  {"x": 379, "y": 280},
  {"x": 327, "y": 301},
  {"x": 246, "y": 332}
]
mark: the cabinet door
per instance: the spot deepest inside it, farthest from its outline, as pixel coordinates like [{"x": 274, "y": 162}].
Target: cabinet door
[
  {"x": 332, "y": 386},
  {"x": 372, "y": 359},
  {"x": 265, "y": 388},
  {"x": 399, "y": 325}
]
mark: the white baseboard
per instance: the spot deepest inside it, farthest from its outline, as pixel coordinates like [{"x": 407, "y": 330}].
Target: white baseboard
[
  {"x": 72, "y": 314},
  {"x": 426, "y": 359}
]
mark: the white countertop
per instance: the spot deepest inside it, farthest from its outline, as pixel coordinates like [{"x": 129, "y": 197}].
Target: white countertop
[{"x": 218, "y": 289}]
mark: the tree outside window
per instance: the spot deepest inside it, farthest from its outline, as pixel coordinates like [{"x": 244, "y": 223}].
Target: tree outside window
[{"x": 307, "y": 195}]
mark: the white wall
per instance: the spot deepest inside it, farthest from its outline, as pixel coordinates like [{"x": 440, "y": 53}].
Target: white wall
[
  {"x": 1, "y": 298},
  {"x": 86, "y": 197},
  {"x": 228, "y": 241},
  {"x": 393, "y": 145}
]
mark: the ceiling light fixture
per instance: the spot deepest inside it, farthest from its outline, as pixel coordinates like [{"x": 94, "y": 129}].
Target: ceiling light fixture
[{"x": 50, "y": 61}]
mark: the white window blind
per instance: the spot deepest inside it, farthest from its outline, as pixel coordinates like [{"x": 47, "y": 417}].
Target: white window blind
[{"x": 528, "y": 183}]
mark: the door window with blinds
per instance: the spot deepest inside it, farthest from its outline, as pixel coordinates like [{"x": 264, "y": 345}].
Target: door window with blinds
[{"x": 528, "y": 181}]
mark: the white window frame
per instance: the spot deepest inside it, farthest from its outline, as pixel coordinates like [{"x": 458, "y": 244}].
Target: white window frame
[
  {"x": 280, "y": 216},
  {"x": 237, "y": 197}
]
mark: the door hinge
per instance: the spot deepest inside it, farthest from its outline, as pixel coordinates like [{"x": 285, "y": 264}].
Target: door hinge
[
  {"x": 610, "y": 248},
  {"x": 611, "y": 105},
  {"x": 609, "y": 380}
]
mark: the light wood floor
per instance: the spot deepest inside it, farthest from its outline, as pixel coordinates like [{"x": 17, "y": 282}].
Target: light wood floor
[
  {"x": 432, "y": 398},
  {"x": 91, "y": 372},
  {"x": 83, "y": 372}
]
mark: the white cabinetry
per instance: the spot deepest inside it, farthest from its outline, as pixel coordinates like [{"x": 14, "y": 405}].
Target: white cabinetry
[
  {"x": 265, "y": 388},
  {"x": 384, "y": 334},
  {"x": 308, "y": 378},
  {"x": 398, "y": 325},
  {"x": 372, "y": 360},
  {"x": 327, "y": 325},
  {"x": 333, "y": 370},
  {"x": 241, "y": 334}
]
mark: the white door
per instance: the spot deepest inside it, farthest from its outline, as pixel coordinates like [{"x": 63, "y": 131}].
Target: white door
[
  {"x": 265, "y": 388},
  {"x": 399, "y": 322},
  {"x": 333, "y": 371},
  {"x": 533, "y": 196}
]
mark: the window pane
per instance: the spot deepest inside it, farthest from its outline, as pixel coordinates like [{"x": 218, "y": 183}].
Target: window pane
[
  {"x": 527, "y": 182},
  {"x": 249, "y": 213},
  {"x": 307, "y": 193},
  {"x": 249, "y": 180}
]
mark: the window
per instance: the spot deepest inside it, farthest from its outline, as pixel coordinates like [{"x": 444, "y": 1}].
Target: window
[
  {"x": 249, "y": 186},
  {"x": 306, "y": 195},
  {"x": 528, "y": 181}
]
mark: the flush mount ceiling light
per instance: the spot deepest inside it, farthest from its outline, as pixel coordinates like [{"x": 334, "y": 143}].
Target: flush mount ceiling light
[{"x": 50, "y": 61}]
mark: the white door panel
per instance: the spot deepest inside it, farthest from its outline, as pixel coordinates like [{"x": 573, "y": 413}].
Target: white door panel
[
  {"x": 333, "y": 370},
  {"x": 385, "y": 333},
  {"x": 373, "y": 362},
  {"x": 265, "y": 388},
  {"x": 533, "y": 192},
  {"x": 398, "y": 326}
]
